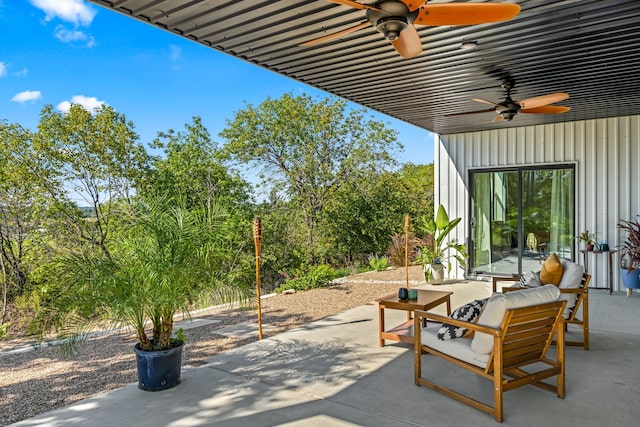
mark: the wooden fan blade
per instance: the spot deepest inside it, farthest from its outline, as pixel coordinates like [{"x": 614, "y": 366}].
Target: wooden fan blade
[
  {"x": 546, "y": 109},
  {"x": 497, "y": 118},
  {"x": 465, "y": 13},
  {"x": 485, "y": 102},
  {"x": 408, "y": 43},
  {"x": 336, "y": 35},
  {"x": 490, "y": 110},
  {"x": 541, "y": 101},
  {"x": 354, "y": 4}
]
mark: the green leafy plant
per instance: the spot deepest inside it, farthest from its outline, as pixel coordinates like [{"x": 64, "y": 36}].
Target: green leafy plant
[
  {"x": 4, "y": 328},
  {"x": 379, "y": 264},
  {"x": 162, "y": 264},
  {"x": 309, "y": 278},
  {"x": 630, "y": 247},
  {"x": 587, "y": 238},
  {"x": 437, "y": 249}
]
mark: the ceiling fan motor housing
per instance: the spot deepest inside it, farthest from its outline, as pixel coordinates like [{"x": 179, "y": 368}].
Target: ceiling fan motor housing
[
  {"x": 392, "y": 18},
  {"x": 508, "y": 109}
]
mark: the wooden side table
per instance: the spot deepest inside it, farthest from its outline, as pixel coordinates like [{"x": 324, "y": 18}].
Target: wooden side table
[
  {"x": 404, "y": 333},
  {"x": 586, "y": 265}
]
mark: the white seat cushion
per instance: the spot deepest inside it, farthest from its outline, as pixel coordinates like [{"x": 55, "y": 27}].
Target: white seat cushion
[
  {"x": 498, "y": 304},
  {"x": 459, "y": 348}
]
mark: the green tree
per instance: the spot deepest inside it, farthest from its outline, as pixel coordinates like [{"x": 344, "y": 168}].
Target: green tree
[
  {"x": 417, "y": 186},
  {"x": 308, "y": 149},
  {"x": 281, "y": 237},
  {"x": 91, "y": 160},
  {"x": 21, "y": 209},
  {"x": 190, "y": 167},
  {"x": 364, "y": 214}
]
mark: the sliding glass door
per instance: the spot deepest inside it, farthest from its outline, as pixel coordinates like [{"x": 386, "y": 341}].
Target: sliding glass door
[{"x": 518, "y": 216}]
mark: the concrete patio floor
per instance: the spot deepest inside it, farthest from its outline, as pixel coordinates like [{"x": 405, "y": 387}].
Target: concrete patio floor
[{"x": 333, "y": 373}]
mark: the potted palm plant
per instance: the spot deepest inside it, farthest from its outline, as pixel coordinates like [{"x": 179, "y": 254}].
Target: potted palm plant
[
  {"x": 630, "y": 254},
  {"x": 437, "y": 251},
  {"x": 166, "y": 259}
]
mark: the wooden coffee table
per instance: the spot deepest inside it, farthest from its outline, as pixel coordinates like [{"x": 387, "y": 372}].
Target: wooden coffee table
[{"x": 404, "y": 332}]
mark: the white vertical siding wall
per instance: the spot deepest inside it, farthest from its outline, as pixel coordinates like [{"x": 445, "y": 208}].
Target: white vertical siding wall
[{"x": 606, "y": 153}]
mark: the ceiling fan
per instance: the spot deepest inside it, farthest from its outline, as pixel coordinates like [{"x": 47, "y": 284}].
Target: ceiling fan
[
  {"x": 508, "y": 108},
  {"x": 396, "y": 19}
]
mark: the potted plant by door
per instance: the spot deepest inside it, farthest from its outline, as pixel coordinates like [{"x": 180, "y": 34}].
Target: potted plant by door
[
  {"x": 589, "y": 239},
  {"x": 437, "y": 251},
  {"x": 166, "y": 258},
  {"x": 630, "y": 254}
]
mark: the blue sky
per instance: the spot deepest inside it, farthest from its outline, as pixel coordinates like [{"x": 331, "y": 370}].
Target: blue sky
[{"x": 62, "y": 51}]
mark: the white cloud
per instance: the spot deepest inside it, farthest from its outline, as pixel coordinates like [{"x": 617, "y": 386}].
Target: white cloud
[
  {"x": 67, "y": 36},
  {"x": 27, "y": 95},
  {"x": 91, "y": 103},
  {"x": 4, "y": 68},
  {"x": 74, "y": 11},
  {"x": 175, "y": 52}
]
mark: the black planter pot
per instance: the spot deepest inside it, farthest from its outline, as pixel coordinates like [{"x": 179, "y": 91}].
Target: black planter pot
[{"x": 158, "y": 370}]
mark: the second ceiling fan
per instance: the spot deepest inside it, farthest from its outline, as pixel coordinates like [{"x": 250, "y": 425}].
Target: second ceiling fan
[
  {"x": 508, "y": 108},
  {"x": 395, "y": 19}
]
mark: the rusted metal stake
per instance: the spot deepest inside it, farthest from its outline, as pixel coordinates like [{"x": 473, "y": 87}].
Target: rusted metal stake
[{"x": 257, "y": 241}]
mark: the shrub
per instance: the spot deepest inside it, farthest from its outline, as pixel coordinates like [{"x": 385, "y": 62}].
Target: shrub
[
  {"x": 4, "y": 334},
  {"x": 32, "y": 314},
  {"x": 397, "y": 248},
  {"x": 379, "y": 264},
  {"x": 346, "y": 271},
  {"x": 309, "y": 278}
]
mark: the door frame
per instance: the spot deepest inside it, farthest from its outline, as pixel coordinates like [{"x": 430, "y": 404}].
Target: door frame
[{"x": 520, "y": 169}]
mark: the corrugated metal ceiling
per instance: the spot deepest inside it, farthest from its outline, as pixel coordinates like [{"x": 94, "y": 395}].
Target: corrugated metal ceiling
[{"x": 588, "y": 48}]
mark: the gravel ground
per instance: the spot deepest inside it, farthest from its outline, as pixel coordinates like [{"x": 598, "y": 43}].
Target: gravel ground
[{"x": 38, "y": 381}]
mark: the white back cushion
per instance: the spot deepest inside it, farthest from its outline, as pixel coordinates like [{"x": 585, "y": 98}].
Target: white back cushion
[
  {"x": 572, "y": 275},
  {"x": 498, "y": 304},
  {"x": 571, "y": 279}
]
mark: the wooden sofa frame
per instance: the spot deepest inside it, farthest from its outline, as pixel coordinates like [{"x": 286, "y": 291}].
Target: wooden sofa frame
[
  {"x": 522, "y": 339},
  {"x": 582, "y": 301}
]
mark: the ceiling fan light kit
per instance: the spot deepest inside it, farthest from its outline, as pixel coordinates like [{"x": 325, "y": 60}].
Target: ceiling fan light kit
[
  {"x": 391, "y": 27},
  {"x": 391, "y": 18}
]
